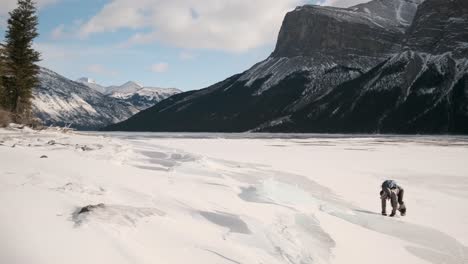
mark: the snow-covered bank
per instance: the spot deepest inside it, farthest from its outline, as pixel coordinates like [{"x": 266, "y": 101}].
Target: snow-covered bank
[{"x": 228, "y": 200}]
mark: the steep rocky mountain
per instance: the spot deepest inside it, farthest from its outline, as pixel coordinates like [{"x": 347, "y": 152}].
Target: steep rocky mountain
[
  {"x": 422, "y": 89},
  {"x": 133, "y": 93},
  {"x": 383, "y": 66},
  {"x": 62, "y": 102}
]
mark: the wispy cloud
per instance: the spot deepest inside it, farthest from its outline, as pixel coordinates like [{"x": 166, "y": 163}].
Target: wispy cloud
[
  {"x": 160, "y": 67},
  {"x": 58, "y": 32}
]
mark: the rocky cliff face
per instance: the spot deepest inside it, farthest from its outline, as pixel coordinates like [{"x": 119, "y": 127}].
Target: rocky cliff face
[
  {"x": 399, "y": 12},
  {"x": 439, "y": 27},
  {"x": 361, "y": 69},
  {"x": 336, "y": 32}
]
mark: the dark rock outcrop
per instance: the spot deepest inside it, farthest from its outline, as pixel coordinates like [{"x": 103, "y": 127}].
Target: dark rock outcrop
[
  {"x": 89, "y": 208},
  {"x": 336, "y": 32},
  {"x": 371, "y": 29}
]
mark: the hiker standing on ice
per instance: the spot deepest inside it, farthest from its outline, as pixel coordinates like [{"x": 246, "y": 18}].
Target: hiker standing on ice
[{"x": 391, "y": 191}]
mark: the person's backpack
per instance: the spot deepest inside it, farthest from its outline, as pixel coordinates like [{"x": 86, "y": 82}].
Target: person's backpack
[{"x": 390, "y": 184}]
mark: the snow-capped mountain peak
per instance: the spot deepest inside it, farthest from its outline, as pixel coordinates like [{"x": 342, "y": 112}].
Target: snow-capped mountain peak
[
  {"x": 128, "y": 87},
  {"x": 132, "y": 92}
]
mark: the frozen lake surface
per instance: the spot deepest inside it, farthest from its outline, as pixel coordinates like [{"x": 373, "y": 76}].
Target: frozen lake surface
[{"x": 229, "y": 198}]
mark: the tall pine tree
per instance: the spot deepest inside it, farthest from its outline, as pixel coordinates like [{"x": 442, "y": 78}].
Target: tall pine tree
[
  {"x": 21, "y": 59},
  {"x": 2, "y": 70}
]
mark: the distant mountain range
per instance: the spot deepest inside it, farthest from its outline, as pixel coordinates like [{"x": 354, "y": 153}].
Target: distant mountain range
[
  {"x": 386, "y": 66},
  {"x": 137, "y": 95},
  {"x": 86, "y": 105}
]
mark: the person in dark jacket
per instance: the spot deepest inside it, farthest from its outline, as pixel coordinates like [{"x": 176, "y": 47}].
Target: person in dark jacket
[{"x": 393, "y": 192}]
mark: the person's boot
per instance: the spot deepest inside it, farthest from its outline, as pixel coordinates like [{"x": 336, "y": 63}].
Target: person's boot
[
  {"x": 393, "y": 213},
  {"x": 384, "y": 213},
  {"x": 402, "y": 210}
]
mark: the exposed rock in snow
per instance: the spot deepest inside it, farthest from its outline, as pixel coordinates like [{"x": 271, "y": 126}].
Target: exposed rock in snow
[{"x": 89, "y": 208}]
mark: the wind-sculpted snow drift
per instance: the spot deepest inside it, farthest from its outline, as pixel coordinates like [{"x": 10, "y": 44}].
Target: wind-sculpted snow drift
[
  {"x": 147, "y": 198},
  {"x": 395, "y": 66}
]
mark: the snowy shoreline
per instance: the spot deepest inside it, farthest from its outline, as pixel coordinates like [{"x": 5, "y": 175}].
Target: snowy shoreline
[{"x": 231, "y": 198}]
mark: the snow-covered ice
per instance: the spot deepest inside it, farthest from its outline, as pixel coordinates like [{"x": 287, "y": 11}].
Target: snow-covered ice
[{"x": 229, "y": 198}]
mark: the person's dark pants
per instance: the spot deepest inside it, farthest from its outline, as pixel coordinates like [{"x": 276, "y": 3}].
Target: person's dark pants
[
  {"x": 401, "y": 193},
  {"x": 396, "y": 200},
  {"x": 402, "y": 207}
]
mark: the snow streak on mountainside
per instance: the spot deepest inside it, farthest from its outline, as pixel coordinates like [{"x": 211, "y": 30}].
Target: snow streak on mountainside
[
  {"x": 375, "y": 67},
  {"x": 400, "y": 12},
  {"x": 133, "y": 93},
  {"x": 62, "y": 102}
]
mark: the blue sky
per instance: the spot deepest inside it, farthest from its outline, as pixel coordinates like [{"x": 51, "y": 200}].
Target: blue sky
[{"x": 188, "y": 44}]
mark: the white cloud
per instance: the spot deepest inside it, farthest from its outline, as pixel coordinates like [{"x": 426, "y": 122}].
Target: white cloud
[
  {"x": 100, "y": 70},
  {"x": 58, "y": 32},
  {"x": 341, "y": 3},
  {"x": 160, "y": 67},
  {"x": 230, "y": 25}
]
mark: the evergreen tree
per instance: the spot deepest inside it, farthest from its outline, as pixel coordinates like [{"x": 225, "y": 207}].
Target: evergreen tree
[
  {"x": 21, "y": 59},
  {"x": 2, "y": 88}
]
